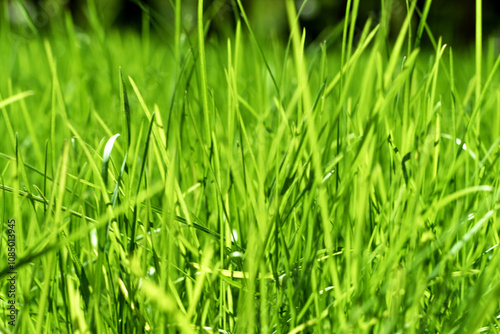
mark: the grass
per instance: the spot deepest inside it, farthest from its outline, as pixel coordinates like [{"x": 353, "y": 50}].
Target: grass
[{"x": 174, "y": 182}]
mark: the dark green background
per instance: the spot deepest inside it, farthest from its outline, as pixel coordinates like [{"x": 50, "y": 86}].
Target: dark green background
[{"x": 454, "y": 20}]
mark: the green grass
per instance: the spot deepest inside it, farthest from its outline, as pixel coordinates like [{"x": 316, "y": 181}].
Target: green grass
[{"x": 174, "y": 182}]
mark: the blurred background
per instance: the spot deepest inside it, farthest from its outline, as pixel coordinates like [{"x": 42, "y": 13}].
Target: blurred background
[{"x": 452, "y": 19}]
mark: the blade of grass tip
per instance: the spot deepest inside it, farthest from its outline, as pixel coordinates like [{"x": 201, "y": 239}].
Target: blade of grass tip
[
  {"x": 107, "y": 131},
  {"x": 27, "y": 18},
  {"x": 437, "y": 145},
  {"x": 433, "y": 109},
  {"x": 352, "y": 28},
  {"x": 323, "y": 73},
  {"x": 423, "y": 20},
  {"x": 344, "y": 43},
  {"x": 66, "y": 304},
  {"x": 28, "y": 120},
  {"x": 476, "y": 110},
  {"x": 104, "y": 173},
  {"x": 394, "y": 57},
  {"x": 485, "y": 88},
  {"x": 261, "y": 51},
  {"x": 106, "y": 156},
  {"x": 72, "y": 40},
  {"x": 143, "y": 165},
  {"x": 405, "y": 140},
  {"x": 5, "y": 30},
  {"x": 410, "y": 34},
  {"x": 114, "y": 197},
  {"x": 429, "y": 32},
  {"x": 53, "y": 111},
  {"x": 94, "y": 20},
  {"x": 453, "y": 108},
  {"x": 135, "y": 159},
  {"x": 298, "y": 50},
  {"x": 479, "y": 55},
  {"x": 125, "y": 107},
  {"x": 146, "y": 27},
  {"x": 57, "y": 94},
  {"x": 368, "y": 37},
  {"x": 177, "y": 33},
  {"x": 203, "y": 74},
  {"x": 14, "y": 98},
  {"x": 6, "y": 102},
  {"x": 63, "y": 167}
]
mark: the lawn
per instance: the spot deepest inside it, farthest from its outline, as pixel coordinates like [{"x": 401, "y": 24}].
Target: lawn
[{"x": 181, "y": 181}]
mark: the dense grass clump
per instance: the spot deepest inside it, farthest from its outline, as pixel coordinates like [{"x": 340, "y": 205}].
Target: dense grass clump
[{"x": 171, "y": 182}]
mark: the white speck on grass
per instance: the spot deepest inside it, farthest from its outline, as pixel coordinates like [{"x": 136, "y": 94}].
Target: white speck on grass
[
  {"x": 464, "y": 146},
  {"x": 280, "y": 277},
  {"x": 328, "y": 176},
  {"x": 328, "y": 288},
  {"x": 234, "y": 236},
  {"x": 236, "y": 254},
  {"x": 151, "y": 271},
  {"x": 460, "y": 143},
  {"x": 470, "y": 216},
  {"x": 93, "y": 238},
  {"x": 180, "y": 279}
]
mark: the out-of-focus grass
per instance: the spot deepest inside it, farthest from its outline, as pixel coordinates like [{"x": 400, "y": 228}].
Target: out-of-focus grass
[{"x": 255, "y": 185}]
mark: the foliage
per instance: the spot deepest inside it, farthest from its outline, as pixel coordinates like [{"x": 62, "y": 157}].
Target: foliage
[{"x": 185, "y": 184}]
